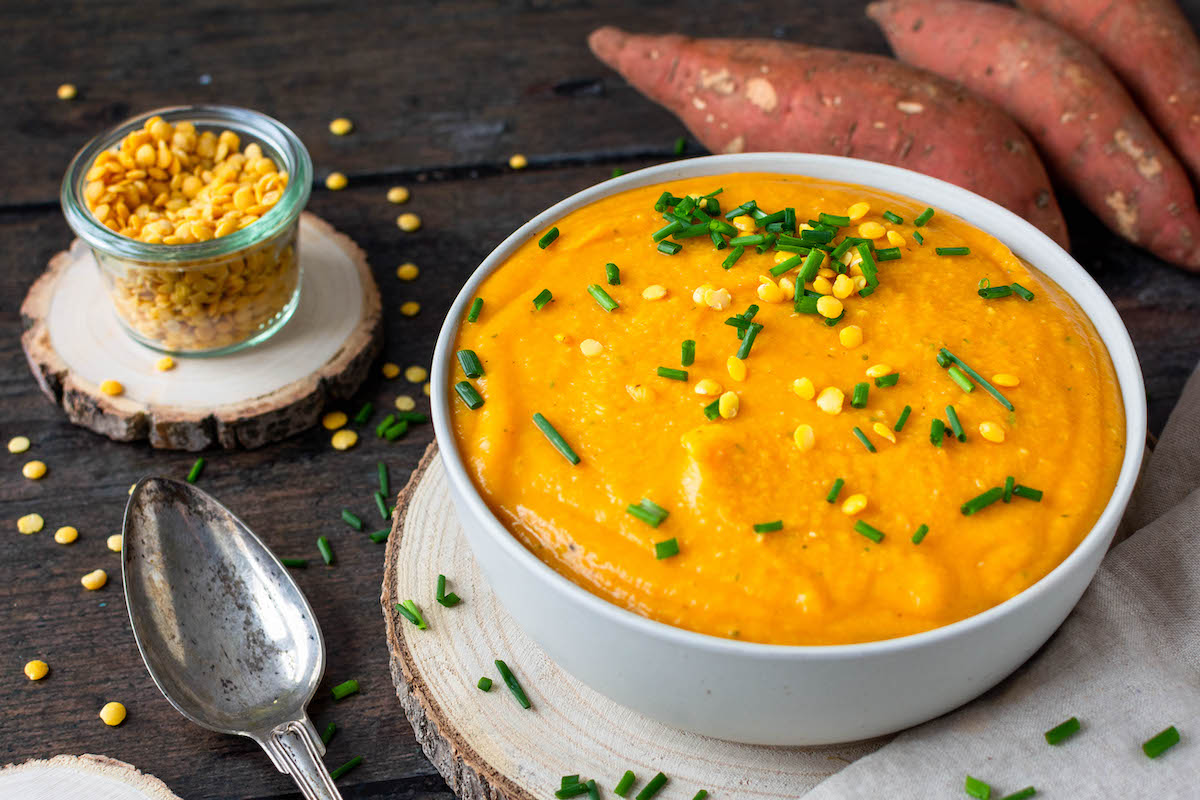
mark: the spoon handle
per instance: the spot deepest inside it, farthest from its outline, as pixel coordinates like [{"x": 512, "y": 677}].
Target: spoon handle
[{"x": 296, "y": 749}]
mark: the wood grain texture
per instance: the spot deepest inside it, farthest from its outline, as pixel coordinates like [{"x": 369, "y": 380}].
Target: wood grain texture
[
  {"x": 259, "y": 409},
  {"x": 441, "y": 93},
  {"x": 96, "y": 777},
  {"x": 485, "y": 745}
]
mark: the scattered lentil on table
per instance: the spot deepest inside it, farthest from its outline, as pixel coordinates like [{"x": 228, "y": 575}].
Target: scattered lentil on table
[
  {"x": 36, "y": 670},
  {"x": 341, "y": 126},
  {"x": 94, "y": 580},
  {"x": 336, "y": 181},
  {"x": 407, "y": 271},
  {"x": 398, "y": 195},
  {"x": 67, "y": 91},
  {"x": 113, "y": 714},
  {"x": 408, "y": 222},
  {"x": 66, "y": 535}
]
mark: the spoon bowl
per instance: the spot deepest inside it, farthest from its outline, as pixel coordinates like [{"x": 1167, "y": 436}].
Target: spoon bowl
[{"x": 225, "y": 632}]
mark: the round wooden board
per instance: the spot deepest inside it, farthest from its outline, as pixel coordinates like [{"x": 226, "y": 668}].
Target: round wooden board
[
  {"x": 73, "y": 342},
  {"x": 78, "y": 777},
  {"x": 484, "y": 744}
]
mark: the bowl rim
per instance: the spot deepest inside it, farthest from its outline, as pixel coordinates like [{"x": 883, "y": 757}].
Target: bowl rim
[{"x": 938, "y": 193}]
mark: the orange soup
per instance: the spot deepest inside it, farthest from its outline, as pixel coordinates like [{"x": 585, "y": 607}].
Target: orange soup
[{"x": 927, "y": 429}]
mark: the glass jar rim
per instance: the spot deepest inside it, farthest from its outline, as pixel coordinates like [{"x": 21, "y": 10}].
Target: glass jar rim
[{"x": 246, "y": 123}]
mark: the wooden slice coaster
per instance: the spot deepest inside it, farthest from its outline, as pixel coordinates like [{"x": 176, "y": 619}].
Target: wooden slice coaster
[
  {"x": 488, "y": 747},
  {"x": 86, "y": 776},
  {"x": 73, "y": 343}
]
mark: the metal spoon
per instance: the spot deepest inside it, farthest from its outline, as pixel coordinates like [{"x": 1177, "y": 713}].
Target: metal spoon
[{"x": 225, "y": 632}]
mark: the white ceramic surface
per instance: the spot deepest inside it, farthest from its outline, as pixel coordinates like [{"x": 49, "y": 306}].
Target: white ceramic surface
[{"x": 779, "y": 694}]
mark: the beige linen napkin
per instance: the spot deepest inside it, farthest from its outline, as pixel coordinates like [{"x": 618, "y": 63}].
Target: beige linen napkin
[{"x": 1126, "y": 663}]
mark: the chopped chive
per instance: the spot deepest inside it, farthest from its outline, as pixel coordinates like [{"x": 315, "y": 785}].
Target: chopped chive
[
  {"x": 923, "y": 217},
  {"x": 653, "y": 787},
  {"x": 625, "y": 784},
  {"x": 448, "y": 600},
  {"x": 841, "y": 249},
  {"x": 804, "y": 304},
  {"x": 1021, "y": 292},
  {"x": 1161, "y": 742},
  {"x": 995, "y": 292},
  {"x": 1062, "y": 731},
  {"x": 920, "y": 239},
  {"x": 866, "y": 291},
  {"x": 344, "y": 768},
  {"x": 476, "y": 307},
  {"x": 814, "y": 236},
  {"x": 768, "y": 527},
  {"x": 700, "y": 795},
  {"x": 673, "y": 374},
  {"x": 471, "y": 365},
  {"x": 773, "y": 217},
  {"x": 835, "y": 490},
  {"x": 381, "y": 504},
  {"x": 680, "y": 145},
  {"x": 789, "y": 219},
  {"x": 893, "y": 218},
  {"x": 919, "y": 534},
  {"x": 666, "y": 231},
  {"x": 670, "y": 248},
  {"x": 868, "y": 266},
  {"x": 733, "y": 257},
  {"x": 713, "y": 409},
  {"x": 692, "y": 231},
  {"x": 960, "y": 378},
  {"x": 352, "y": 519},
  {"x": 603, "y": 298},
  {"x": 328, "y": 733},
  {"x": 859, "y": 398},
  {"x": 748, "y": 340},
  {"x": 937, "y": 429},
  {"x": 903, "y": 419},
  {"x": 409, "y": 610},
  {"x": 513, "y": 684},
  {"x": 664, "y": 200},
  {"x": 1009, "y": 483},
  {"x": 718, "y": 240},
  {"x": 977, "y": 789},
  {"x": 831, "y": 322},
  {"x": 593, "y": 790},
  {"x": 945, "y": 357},
  {"x": 749, "y": 239},
  {"x": 1022, "y": 794},
  {"x": 380, "y": 536},
  {"x": 617, "y": 172},
  {"x": 194, "y": 472},
  {"x": 666, "y": 549},
  {"x": 833, "y": 219},
  {"x": 326, "y": 550},
  {"x": 394, "y": 432},
  {"x": 382, "y": 471},
  {"x": 862, "y": 437},
  {"x": 953, "y": 251},
  {"x": 648, "y": 512},
  {"x": 980, "y": 502},
  {"x": 484, "y": 684},
  {"x": 543, "y": 297},
  {"x": 885, "y": 381},
  {"x": 294, "y": 563},
  {"x": 955, "y": 425},
  {"x": 791, "y": 263},
  {"x": 1029, "y": 494},
  {"x": 414, "y": 417},
  {"x": 556, "y": 439},
  {"x": 344, "y": 690},
  {"x": 888, "y": 254},
  {"x": 874, "y": 534},
  {"x": 812, "y": 263},
  {"x": 468, "y": 394},
  {"x": 613, "y": 273},
  {"x": 687, "y": 355},
  {"x": 550, "y": 236},
  {"x": 382, "y": 427},
  {"x": 741, "y": 210},
  {"x": 364, "y": 413}
]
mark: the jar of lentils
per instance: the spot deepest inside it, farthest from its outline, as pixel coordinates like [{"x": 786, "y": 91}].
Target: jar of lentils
[{"x": 192, "y": 213}]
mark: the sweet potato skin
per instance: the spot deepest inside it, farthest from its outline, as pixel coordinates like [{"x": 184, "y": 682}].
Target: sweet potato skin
[
  {"x": 1060, "y": 91},
  {"x": 1153, "y": 49},
  {"x": 740, "y": 95}
]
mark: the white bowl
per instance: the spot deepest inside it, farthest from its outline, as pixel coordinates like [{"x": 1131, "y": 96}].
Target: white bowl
[{"x": 785, "y": 694}]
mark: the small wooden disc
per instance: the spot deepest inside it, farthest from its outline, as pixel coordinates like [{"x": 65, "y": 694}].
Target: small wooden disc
[
  {"x": 73, "y": 342},
  {"x": 484, "y": 744},
  {"x": 71, "y": 777}
]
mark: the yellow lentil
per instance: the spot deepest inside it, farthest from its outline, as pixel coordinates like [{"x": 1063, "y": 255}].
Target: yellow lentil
[
  {"x": 871, "y": 230},
  {"x": 1004, "y": 379},
  {"x": 34, "y": 470},
  {"x": 114, "y": 542},
  {"x": 829, "y": 307},
  {"x": 36, "y": 670},
  {"x": 719, "y": 299},
  {"x": 416, "y": 373},
  {"x": 112, "y": 714},
  {"x": 405, "y": 402},
  {"x": 744, "y": 224},
  {"x": 830, "y": 400},
  {"x": 112, "y": 388},
  {"x": 707, "y": 386},
  {"x": 30, "y": 523},
  {"x": 334, "y": 420},
  {"x": 884, "y": 431},
  {"x": 165, "y": 364},
  {"x": 991, "y": 431},
  {"x": 850, "y": 336},
  {"x": 344, "y": 439},
  {"x": 410, "y": 309},
  {"x": 66, "y": 535},
  {"x": 590, "y": 347},
  {"x": 398, "y": 194},
  {"x": 858, "y": 211},
  {"x": 341, "y": 126},
  {"x": 654, "y": 292},
  {"x": 407, "y": 271},
  {"x": 879, "y": 370},
  {"x": 854, "y": 504},
  {"x": 640, "y": 394},
  {"x": 425, "y": 388},
  {"x": 518, "y": 161},
  {"x": 788, "y": 287},
  {"x": 390, "y": 370},
  {"x": 826, "y": 272},
  {"x": 769, "y": 292},
  {"x": 823, "y": 286},
  {"x": 94, "y": 580},
  {"x": 18, "y": 444},
  {"x": 896, "y": 239},
  {"x": 736, "y": 368},
  {"x": 728, "y": 405},
  {"x": 804, "y": 437},
  {"x": 408, "y": 222},
  {"x": 67, "y": 91},
  {"x": 843, "y": 287},
  {"x": 803, "y": 387},
  {"x": 336, "y": 181}
]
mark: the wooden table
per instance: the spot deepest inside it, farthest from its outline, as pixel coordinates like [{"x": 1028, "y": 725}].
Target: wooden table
[{"x": 441, "y": 94}]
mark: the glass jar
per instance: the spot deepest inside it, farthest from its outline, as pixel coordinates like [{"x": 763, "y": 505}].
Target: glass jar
[{"x": 202, "y": 297}]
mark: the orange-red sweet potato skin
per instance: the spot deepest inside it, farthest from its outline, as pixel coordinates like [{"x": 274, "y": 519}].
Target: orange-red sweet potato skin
[
  {"x": 1074, "y": 107},
  {"x": 740, "y": 95},
  {"x": 1153, "y": 49}
]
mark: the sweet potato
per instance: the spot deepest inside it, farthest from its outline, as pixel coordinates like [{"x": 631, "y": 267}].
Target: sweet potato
[
  {"x": 1153, "y": 49},
  {"x": 740, "y": 95},
  {"x": 1062, "y": 93}
]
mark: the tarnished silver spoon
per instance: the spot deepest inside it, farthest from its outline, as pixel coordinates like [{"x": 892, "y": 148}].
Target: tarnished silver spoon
[{"x": 224, "y": 630}]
